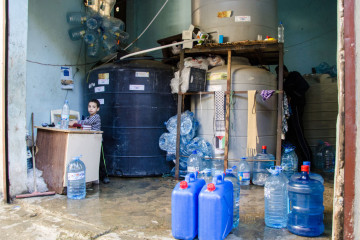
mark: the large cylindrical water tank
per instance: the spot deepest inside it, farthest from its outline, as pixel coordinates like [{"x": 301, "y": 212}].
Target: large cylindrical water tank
[
  {"x": 248, "y": 19},
  {"x": 244, "y": 77},
  {"x": 136, "y": 100}
]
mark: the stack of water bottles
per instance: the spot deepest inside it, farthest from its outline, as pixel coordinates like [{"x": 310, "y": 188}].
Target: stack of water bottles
[
  {"x": 97, "y": 30},
  {"x": 324, "y": 157},
  {"x": 190, "y": 146},
  {"x": 203, "y": 210}
]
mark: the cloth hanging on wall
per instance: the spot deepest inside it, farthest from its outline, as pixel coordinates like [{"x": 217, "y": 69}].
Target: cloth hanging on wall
[{"x": 252, "y": 133}]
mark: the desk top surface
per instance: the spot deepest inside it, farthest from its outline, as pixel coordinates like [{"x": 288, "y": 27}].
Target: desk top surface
[{"x": 70, "y": 130}]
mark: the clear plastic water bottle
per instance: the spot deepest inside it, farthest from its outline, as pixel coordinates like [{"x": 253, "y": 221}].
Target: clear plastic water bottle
[
  {"x": 109, "y": 43},
  {"x": 120, "y": 35},
  {"x": 206, "y": 175},
  {"x": 91, "y": 36},
  {"x": 65, "y": 115},
  {"x": 328, "y": 158},
  {"x": 231, "y": 176},
  {"x": 275, "y": 193},
  {"x": 76, "y": 181},
  {"x": 280, "y": 33},
  {"x": 93, "y": 48},
  {"x": 193, "y": 162},
  {"x": 111, "y": 23},
  {"x": 289, "y": 162},
  {"x": 76, "y": 18},
  {"x": 93, "y": 22},
  {"x": 76, "y": 33},
  {"x": 187, "y": 122},
  {"x": 244, "y": 172},
  {"x": 260, "y": 170},
  {"x": 312, "y": 175},
  {"x": 217, "y": 166},
  {"x": 319, "y": 155}
]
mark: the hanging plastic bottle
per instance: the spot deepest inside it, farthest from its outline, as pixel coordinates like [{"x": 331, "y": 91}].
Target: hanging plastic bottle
[
  {"x": 306, "y": 214},
  {"x": 76, "y": 18},
  {"x": 93, "y": 48},
  {"x": 76, "y": 179},
  {"x": 260, "y": 170},
  {"x": 244, "y": 172},
  {"x": 312, "y": 175},
  {"x": 77, "y": 33},
  {"x": 280, "y": 33},
  {"x": 65, "y": 115},
  {"x": 232, "y": 177},
  {"x": 109, "y": 43},
  {"x": 275, "y": 193},
  {"x": 93, "y": 22}
]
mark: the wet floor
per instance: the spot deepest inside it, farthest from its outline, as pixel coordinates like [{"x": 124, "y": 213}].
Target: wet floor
[{"x": 130, "y": 208}]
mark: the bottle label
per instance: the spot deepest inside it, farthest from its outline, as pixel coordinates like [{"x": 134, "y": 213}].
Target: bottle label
[
  {"x": 64, "y": 117},
  {"x": 76, "y": 176},
  {"x": 244, "y": 176}
]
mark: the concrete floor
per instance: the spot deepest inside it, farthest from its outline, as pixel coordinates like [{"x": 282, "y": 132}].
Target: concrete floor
[{"x": 129, "y": 209}]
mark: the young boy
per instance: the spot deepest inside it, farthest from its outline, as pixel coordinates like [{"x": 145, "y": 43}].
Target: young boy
[{"x": 94, "y": 118}]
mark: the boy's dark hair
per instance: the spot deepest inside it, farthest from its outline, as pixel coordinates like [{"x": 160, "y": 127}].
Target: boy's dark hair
[{"x": 95, "y": 101}]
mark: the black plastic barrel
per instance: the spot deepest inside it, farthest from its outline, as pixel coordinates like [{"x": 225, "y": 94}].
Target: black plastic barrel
[{"x": 135, "y": 100}]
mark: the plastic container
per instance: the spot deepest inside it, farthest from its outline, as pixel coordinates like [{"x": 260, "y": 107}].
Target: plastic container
[
  {"x": 93, "y": 48},
  {"x": 184, "y": 207},
  {"x": 93, "y": 23},
  {"x": 275, "y": 194},
  {"x": 194, "y": 162},
  {"x": 260, "y": 170},
  {"x": 217, "y": 166},
  {"x": 109, "y": 43},
  {"x": 187, "y": 122},
  {"x": 289, "y": 162},
  {"x": 76, "y": 33},
  {"x": 244, "y": 172},
  {"x": 110, "y": 23},
  {"x": 76, "y": 185},
  {"x": 206, "y": 175},
  {"x": 231, "y": 176},
  {"x": 216, "y": 209},
  {"x": 306, "y": 205},
  {"x": 281, "y": 33},
  {"x": 328, "y": 158},
  {"x": 312, "y": 175},
  {"x": 65, "y": 115},
  {"x": 76, "y": 18}
]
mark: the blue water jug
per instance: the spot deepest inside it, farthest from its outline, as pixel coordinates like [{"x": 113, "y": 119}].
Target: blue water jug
[
  {"x": 216, "y": 209},
  {"x": 184, "y": 207},
  {"x": 306, "y": 205}
]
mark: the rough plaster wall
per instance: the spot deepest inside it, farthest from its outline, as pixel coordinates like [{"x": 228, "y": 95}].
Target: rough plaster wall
[
  {"x": 18, "y": 13},
  {"x": 2, "y": 78},
  {"x": 357, "y": 166},
  {"x": 175, "y": 17},
  {"x": 49, "y": 43}
]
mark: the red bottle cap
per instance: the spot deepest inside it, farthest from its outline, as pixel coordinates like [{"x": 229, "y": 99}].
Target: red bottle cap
[
  {"x": 305, "y": 168},
  {"x": 263, "y": 147},
  {"x": 211, "y": 187},
  {"x": 183, "y": 185}
]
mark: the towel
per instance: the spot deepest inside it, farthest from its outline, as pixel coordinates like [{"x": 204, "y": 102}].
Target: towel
[{"x": 252, "y": 133}]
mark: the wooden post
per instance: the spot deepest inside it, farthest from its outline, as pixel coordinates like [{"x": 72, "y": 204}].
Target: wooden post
[
  {"x": 227, "y": 117},
  {"x": 179, "y": 107},
  {"x": 280, "y": 103}
]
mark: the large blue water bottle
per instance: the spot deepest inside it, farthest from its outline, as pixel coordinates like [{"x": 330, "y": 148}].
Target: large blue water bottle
[
  {"x": 260, "y": 169},
  {"x": 306, "y": 205},
  {"x": 76, "y": 180},
  {"x": 184, "y": 207},
  {"x": 216, "y": 209},
  {"x": 276, "y": 199}
]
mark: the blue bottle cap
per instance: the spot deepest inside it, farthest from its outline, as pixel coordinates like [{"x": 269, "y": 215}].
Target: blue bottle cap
[{"x": 306, "y": 163}]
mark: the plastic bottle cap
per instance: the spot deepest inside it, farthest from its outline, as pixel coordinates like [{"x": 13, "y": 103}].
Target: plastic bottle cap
[
  {"x": 263, "y": 147},
  {"x": 183, "y": 185},
  {"x": 194, "y": 152},
  {"x": 306, "y": 163},
  {"x": 211, "y": 187},
  {"x": 305, "y": 168}
]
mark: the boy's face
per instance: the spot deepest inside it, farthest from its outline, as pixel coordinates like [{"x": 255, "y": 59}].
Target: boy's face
[{"x": 92, "y": 108}]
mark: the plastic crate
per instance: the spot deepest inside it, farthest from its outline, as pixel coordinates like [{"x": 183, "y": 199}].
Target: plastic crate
[{"x": 197, "y": 80}]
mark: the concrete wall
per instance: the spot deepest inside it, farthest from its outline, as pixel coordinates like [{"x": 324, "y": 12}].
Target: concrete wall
[
  {"x": 49, "y": 43},
  {"x": 175, "y": 17},
  {"x": 18, "y": 13},
  {"x": 357, "y": 166},
  {"x": 2, "y": 94}
]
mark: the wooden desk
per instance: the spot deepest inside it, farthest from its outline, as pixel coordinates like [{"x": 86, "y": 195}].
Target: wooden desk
[{"x": 55, "y": 149}]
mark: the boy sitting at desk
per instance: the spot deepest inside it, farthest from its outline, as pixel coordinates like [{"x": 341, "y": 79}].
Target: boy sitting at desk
[{"x": 93, "y": 120}]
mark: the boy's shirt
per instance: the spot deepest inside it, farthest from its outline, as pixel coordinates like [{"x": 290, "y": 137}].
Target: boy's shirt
[{"x": 94, "y": 121}]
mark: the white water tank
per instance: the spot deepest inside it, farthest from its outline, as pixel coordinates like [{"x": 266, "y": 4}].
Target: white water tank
[
  {"x": 244, "y": 77},
  {"x": 248, "y": 19}
]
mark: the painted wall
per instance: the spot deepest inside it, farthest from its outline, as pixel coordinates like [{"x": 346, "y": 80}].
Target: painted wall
[
  {"x": 357, "y": 164},
  {"x": 16, "y": 94},
  {"x": 175, "y": 17},
  {"x": 310, "y": 33},
  {"x": 2, "y": 95},
  {"x": 50, "y": 47}
]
